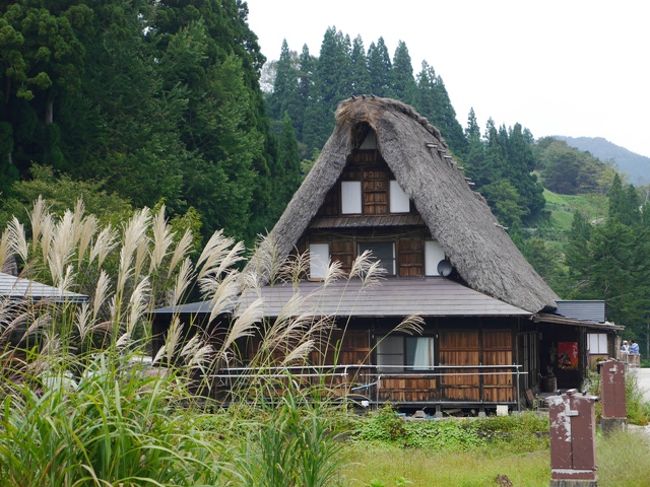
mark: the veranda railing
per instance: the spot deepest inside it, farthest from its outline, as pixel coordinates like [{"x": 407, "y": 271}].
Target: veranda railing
[{"x": 371, "y": 380}]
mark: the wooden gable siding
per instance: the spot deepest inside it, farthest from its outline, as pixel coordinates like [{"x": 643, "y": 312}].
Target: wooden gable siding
[
  {"x": 410, "y": 257},
  {"x": 343, "y": 251},
  {"x": 375, "y": 192},
  {"x": 368, "y": 167}
]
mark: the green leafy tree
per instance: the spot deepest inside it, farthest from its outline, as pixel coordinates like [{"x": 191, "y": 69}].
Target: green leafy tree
[
  {"x": 332, "y": 83},
  {"x": 61, "y": 193},
  {"x": 224, "y": 125},
  {"x": 41, "y": 60},
  {"x": 577, "y": 249},
  {"x": 505, "y": 202},
  {"x": 567, "y": 170}
]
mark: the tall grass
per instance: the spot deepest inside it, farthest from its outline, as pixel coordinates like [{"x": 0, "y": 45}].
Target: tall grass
[{"x": 80, "y": 408}]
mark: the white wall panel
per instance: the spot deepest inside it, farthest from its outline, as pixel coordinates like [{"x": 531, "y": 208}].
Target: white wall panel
[
  {"x": 319, "y": 259},
  {"x": 433, "y": 254},
  {"x": 399, "y": 200},
  {"x": 350, "y": 197}
]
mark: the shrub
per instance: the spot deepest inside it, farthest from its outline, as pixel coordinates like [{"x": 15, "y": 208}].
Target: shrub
[
  {"x": 527, "y": 431},
  {"x": 638, "y": 409}
]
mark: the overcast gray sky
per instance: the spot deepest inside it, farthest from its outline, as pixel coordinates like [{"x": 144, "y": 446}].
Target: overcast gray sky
[{"x": 572, "y": 67}]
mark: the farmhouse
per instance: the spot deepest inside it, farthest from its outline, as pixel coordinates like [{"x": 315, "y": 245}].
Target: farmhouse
[{"x": 386, "y": 183}]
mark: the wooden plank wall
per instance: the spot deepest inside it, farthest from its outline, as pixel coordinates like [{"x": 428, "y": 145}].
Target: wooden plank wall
[
  {"x": 460, "y": 348},
  {"x": 354, "y": 349},
  {"x": 408, "y": 389},
  {"x": 375, "y": 191},
  {"x": 497, "y": 350},
  {"x": 473, "y": 347},
  {"x": 410, "y": 257},
  {"x": 343, "y": 250}
]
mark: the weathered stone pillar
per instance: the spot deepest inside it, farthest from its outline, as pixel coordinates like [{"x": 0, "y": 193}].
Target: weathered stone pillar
[
  {"x": 573, "y": 445},
  {"x": 612, "y": 395}
]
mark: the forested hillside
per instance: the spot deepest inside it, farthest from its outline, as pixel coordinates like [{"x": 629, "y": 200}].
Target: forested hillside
[
  {"x": 151, "y": 100},
  {"x": 635, "y": 166},
  {"x": 127, "y": 104}
]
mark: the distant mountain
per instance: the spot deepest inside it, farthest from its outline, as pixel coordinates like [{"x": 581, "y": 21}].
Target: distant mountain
[{"x": 635, "y": 166}]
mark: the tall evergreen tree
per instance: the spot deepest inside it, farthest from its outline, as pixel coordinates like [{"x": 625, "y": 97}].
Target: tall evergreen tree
[
  {"x": 332, "y": 84},
  {"x": 379, "y": 68},
  {"x": 360, "y": 79},
  {"x": 306, "y": 73},
  {"x": 224, "y": 124},
  {"x": 433, "y": 102},
  {"x": 473, "y": 130},
  {"x": 287, "y": 175},
  {"x": 403, "y": 85},
  {"x": 41, "y": 60},
  {"x": 521, "y": 163},
  {"x": 285, "y": 86}
]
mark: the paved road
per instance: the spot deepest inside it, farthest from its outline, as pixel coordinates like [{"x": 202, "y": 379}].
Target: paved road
[{"x": 643, "y": 379}]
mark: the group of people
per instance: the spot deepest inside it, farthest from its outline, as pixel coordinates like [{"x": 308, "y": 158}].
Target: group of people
[{"x": 631, "y": 348}]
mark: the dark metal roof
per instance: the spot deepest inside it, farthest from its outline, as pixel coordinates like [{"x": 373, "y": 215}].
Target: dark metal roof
[
  {"x": 427, "y": 296},
  {"x": 554, "y": 319},
  {"x": 199, "y": 307},
  {"x": 589, "y": 310},
  {"x": 19, "y": 288},
  {"x": 362, "y": 221}
]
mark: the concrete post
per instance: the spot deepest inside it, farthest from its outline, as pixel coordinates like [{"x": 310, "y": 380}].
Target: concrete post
[
  {"x": 573, "y": 445},
  {"x": 612, "y": 396}
]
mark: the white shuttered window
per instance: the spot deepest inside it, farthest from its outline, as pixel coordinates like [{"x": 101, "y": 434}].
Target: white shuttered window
[
  {"x": 399, "y": 200},
  {"x": 319, "y": 259},
  {"x": 351, "y": 197},
  {"x": 597, "y": 343},
  {"x": 433, "y": 254}
]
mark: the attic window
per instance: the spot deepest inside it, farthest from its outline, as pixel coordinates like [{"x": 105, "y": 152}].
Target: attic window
[
  {"x": 319, "y": 259},
  {"x": 351, "y": 197},
  {"x": 399, "y": 200},
  {"x": 370, "y": 142},
  {"x": 384, "y": 252}
]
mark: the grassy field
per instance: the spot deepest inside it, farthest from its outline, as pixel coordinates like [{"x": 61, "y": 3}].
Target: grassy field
[
  {"x": 623, "y": 460},
  {"x": 563, "y": 206}
]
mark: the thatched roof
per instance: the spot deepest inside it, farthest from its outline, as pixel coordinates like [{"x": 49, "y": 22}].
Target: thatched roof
[{"x": 458, "y": 218}]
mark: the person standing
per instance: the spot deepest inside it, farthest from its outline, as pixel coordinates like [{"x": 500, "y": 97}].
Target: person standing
[
  {"x": 634, "y": 348},
  {"x": 625, "y": 347}
]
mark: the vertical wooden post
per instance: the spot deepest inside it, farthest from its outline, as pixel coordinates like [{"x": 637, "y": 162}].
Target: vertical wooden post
[
  {"x": 612, "y": 392},
  {"x": 573, "y": 446}
]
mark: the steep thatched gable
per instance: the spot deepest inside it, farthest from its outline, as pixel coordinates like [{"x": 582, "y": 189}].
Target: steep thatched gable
[{"x": 458, "y": 218}]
